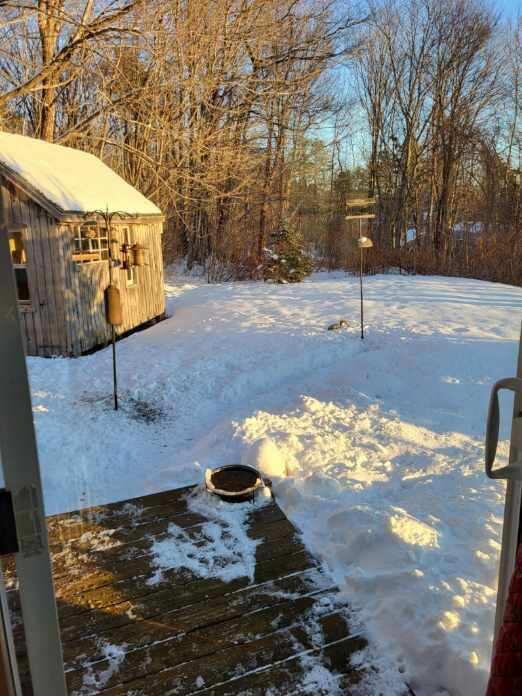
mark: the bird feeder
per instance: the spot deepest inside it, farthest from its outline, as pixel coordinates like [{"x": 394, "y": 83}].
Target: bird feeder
[
  {"x": 138, "y": 255},
  {"x": 113, "y": 311},
  {"x": 133, "y": 255},
  {"x": 359, "y": 211}
]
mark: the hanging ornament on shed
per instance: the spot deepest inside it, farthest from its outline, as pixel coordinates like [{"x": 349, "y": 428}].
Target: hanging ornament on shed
[
  {"x": 113, "y": 312},
  {"x": 138, "y": 255},
  {"x": 126, "y": 264}
]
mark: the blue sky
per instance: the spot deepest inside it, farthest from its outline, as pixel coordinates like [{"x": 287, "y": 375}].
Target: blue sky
[{"x": 508, "y": 7}]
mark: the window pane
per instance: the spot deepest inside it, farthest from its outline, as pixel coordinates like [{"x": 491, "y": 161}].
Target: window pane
[
  {"x": 89, "y": 243},
  {"x": 17, "y": 248},
  {"x": 22, "y": 286}
]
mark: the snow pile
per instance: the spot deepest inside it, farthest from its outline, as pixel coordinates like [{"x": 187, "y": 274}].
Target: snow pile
[
  {"x": 94, "y": 682},
  {"x": 375, "y": 446},
  {"x": 100, "y": 540},
  {"x": 265, "y": 456},
  {"x": 318, "y": 679},
  {"x": 398, "y": 516},
  {"x": 220, "y": 548},
  {"x": 71, "y": 179},
  {"x": 132, "y": 510}
]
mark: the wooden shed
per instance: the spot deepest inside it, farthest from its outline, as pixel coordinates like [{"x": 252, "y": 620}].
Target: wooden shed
[{"x": 51, "y": 198}]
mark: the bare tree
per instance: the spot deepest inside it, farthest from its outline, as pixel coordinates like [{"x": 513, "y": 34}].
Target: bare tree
[{"x": 44, "y": 46}]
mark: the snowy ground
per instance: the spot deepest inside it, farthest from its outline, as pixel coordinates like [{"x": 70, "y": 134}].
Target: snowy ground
[{"x": 380, "y": 442}]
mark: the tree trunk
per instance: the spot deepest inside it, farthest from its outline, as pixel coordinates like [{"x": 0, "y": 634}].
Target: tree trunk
[{"x": 49, "y": 28}]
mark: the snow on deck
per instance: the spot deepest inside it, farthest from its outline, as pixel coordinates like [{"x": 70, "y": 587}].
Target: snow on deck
[
  {"x": 273, "y": 623},
  {"x": 378, "y": 444},
  {"x": 73, "y": 180}
]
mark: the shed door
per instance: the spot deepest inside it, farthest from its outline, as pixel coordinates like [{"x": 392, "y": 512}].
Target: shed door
[{"x": 25, "y": 290}]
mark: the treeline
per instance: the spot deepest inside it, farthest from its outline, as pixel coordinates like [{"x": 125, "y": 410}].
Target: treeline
[
  {"x": 440, "y": 85},
  {"x": 239, "y": 116},
  {"x": 200, "y": 104}
]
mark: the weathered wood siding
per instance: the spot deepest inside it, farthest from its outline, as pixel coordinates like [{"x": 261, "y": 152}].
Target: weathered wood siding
[
  {"x": 85, "y": 284},
  {"x": 67, "y": 311},
  {"x": 44, "y": 319}
]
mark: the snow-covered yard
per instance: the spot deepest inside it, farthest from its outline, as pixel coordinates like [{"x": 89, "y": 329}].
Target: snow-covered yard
[{"x": 380, "y": 442}]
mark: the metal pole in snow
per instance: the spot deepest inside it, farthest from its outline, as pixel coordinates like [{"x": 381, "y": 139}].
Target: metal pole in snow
[
  {"x": 113, "y": 330},
  {"x": 363, "y": 243},
  {"x": 361, "y": 283},
  {"x": 108, "y": 217},
  {"x": 362, "y": 304},
  {"x": 114, "y": 375}
]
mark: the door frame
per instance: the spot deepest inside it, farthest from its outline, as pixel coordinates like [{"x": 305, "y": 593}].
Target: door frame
[
  {"x": 512, "y": 527},
  {"x": 9, "y": 678},
  {"x": 22, "y": 479}
]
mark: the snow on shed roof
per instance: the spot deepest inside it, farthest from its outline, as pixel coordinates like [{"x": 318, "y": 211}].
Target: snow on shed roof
[{"x": 71, "y": 180}]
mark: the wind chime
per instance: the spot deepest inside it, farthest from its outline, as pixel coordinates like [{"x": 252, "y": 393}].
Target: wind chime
[{"x": 132, "y": 255}]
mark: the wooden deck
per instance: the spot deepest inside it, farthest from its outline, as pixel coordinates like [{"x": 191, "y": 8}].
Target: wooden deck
[{"x": 126, "y": 635}]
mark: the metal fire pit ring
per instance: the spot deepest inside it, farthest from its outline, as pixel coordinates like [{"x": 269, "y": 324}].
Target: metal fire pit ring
[{"x": 217, "y": 487}]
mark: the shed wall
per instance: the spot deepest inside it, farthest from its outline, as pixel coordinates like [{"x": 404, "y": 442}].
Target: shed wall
[
  {"x": 66, "y": 315},
  {"x": 85, "y": 284},
  {"x": 43, "y": 320}
]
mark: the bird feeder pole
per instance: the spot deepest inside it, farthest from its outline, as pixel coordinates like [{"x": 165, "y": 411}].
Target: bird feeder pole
[
  {"x": 113, "y": 340},
  {"x": 361, "y": 285},
  {"x": 107, "y": 219},
  {"x": 362, "y": 242}
]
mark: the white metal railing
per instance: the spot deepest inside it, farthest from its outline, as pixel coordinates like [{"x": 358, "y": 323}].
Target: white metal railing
[{"x": 511, "y": 531}]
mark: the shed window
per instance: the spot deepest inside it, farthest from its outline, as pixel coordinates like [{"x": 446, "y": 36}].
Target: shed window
[
  {"x": 91, "y": 243},
  {"x": 131, "y": 270},
  {"x": 19, "y": 259}
]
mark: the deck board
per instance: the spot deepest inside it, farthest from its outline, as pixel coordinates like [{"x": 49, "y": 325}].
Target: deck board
[{"x": 187, "y": 634}]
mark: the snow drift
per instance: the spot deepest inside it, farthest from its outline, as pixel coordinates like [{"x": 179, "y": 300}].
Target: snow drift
[{"x": 375, "y": 448}]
